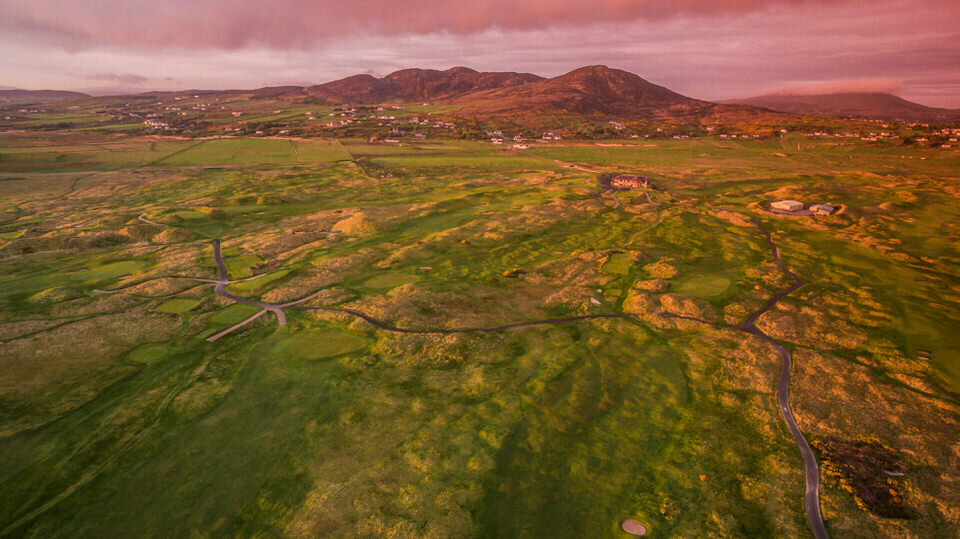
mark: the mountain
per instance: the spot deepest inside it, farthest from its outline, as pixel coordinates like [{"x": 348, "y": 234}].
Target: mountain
[
  {"x": 356, "y": 89},
  {"x": 593, "y": 89},
  {"x": 600, "y": 91},
  {"x": 37, "y": 96},
  {"x": 416, "y": 85},
  {"x": 430, "y": 84},
  {"x": 852, "y": 104}
]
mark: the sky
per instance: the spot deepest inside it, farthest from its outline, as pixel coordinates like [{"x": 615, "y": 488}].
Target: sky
[{"x": 708, "y": 49}]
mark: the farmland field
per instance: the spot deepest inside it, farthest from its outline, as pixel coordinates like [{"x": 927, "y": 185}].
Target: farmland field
[{"x": 120, "y": 417}]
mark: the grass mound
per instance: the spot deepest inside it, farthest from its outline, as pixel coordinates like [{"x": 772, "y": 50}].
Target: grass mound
[
  {"x": 53, "y": 295},
  {"x": 173, "y": 235},
  {"x": 357, "y": 224}
]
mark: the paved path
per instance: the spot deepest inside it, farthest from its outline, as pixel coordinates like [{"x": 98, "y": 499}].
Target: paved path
[
  {"x": 220, "y": 286},
  {"x": 143, "y": 217},
  {"x": 811, "y": 496},
  {"x": 224, "y": 279}
]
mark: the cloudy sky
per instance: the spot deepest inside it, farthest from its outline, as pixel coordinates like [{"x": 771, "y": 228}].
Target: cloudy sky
[{"x": 709, "y": 49}]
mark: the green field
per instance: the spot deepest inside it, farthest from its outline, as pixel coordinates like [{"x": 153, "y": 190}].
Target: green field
[
  {"x": 119, "y": 418},
  {"x": 323, "y": 344},
  {"x": 177, "y": 306},
  {"x": 254, "y": 151},
  {"x": 389, "y": 280}
]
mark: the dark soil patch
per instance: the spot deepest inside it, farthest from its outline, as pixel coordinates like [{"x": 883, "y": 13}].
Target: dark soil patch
[{"x": 865, "y": 469}]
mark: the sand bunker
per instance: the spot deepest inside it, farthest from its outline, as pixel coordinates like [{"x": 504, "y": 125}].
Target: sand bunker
[{"x": 633, "y": 527}]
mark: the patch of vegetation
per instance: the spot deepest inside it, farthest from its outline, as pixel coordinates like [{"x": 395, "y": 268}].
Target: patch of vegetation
[
  {"x": 705, "y": 286},
  {"x": 389, "y": 280},
  {"x": 868, "y": 470},
  {"x": 177, "y": 305},
  {"x": 312, "y": 344},
  {"x": 328, "y": 426}
]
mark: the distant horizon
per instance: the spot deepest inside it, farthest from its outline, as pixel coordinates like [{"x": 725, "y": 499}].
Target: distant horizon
[
  {"x": 708, "y": 49},
  {"x": 810, "y": 89}
]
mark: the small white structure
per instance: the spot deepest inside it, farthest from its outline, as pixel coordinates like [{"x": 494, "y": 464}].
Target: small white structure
[
  {"x": 823, "y": 209},
  {"x": 787, "y": 205}
]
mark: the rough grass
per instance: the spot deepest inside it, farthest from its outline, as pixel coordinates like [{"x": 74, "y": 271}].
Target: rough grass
[
  {"x": 389, "y": 280},
  {"x": 328, "y": 427}
]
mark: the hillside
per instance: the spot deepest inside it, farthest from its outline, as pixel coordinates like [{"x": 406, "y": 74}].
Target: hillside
[
  {"x": 852, "y": 104},
  {"x": 603, "y": 91},
  {"x": 410, "y": 85},
  {"x": 37, "y": 96}
]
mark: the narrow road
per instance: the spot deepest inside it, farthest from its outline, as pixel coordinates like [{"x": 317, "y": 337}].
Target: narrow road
[
  {"x": 811, "y": 498},
  {"x": 616, "y": 201},
  {"x": 143, "y": 217},
  {"x": 812, "y": 472},
  {"x": 220, "y": 285},
  {"x": 277, "y": 309}
]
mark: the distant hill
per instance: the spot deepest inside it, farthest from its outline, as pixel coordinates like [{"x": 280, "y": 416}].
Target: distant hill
[
  {"x": 584, "y": 97},
  {"x": 603, "y": 91},
  {"x": 593, "y": 89},
  {"x": 598, "y": 92},
  {"x": 356, "y": 89},
  {"x": 37, "y": 96},
  {"x": 852, "y": 104},
  {"x": 407, "y": 85},
  {"x": 431, "y": 85}
]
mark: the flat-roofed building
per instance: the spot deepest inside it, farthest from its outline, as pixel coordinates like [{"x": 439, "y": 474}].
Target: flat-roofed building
[
  {"x": 624, "y": 181},
  {"x": 823, "y": 209},
  {"x": 787, "y": 205}
]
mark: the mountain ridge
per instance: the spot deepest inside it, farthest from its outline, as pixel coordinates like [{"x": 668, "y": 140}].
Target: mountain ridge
[
  {"x": 14, "y": 95},
  {"x": 875, "y": 105}
]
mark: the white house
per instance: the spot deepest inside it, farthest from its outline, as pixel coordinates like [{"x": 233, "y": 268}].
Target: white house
[{"x": 787, "y": 205}]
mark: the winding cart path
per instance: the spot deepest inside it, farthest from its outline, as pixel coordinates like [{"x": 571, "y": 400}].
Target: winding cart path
[
  {"x": 277, "y": 309},
  {"x": 811, "y": 498},
  {"x": 811, "y": 470}
]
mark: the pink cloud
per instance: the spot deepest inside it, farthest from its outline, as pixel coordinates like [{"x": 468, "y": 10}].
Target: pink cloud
[
  {"x": 711, "y": 50},
  {"x": 229, "y": 24},
  {"x": 125, "y": 78},
  {"x": 886, "y": 85}
]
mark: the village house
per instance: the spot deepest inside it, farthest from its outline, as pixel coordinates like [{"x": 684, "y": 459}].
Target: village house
[
  {"x": 624, "y": 181},
  {"x": 787, "y": 205}
]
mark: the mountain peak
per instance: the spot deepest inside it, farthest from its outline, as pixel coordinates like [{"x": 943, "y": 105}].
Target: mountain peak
[
  {"x": 462, "y": 69},
  {"x": 416, "y": 84}
]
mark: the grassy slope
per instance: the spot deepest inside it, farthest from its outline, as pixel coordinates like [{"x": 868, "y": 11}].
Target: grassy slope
[{"x": 552, "y": 431}]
